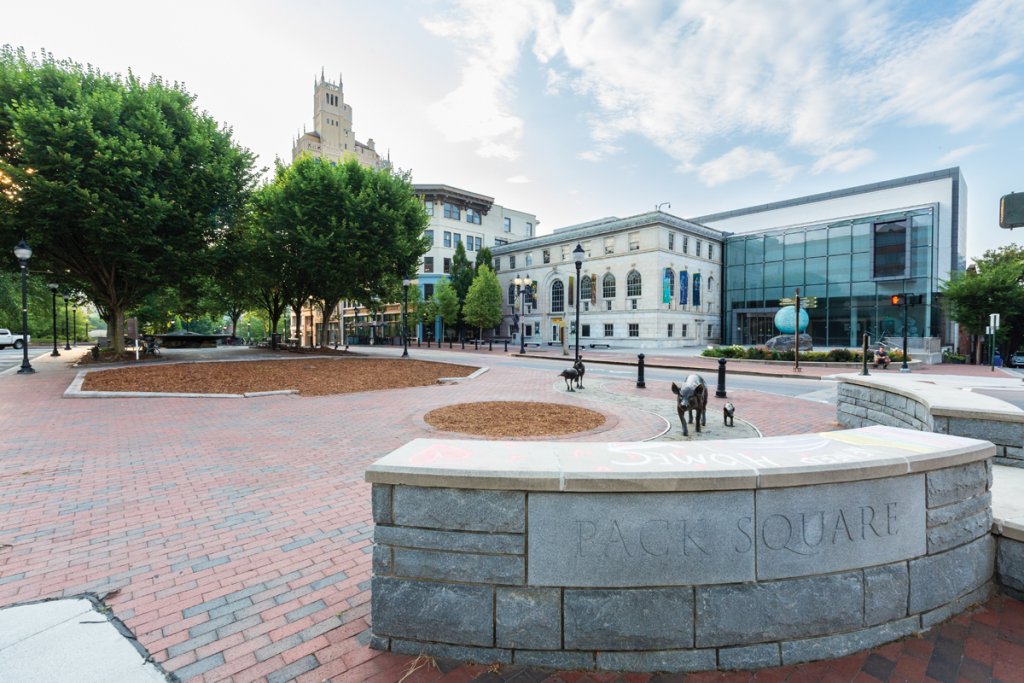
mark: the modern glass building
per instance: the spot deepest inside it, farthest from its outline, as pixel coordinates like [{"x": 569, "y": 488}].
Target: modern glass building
[{"x": 851, "y": 250}]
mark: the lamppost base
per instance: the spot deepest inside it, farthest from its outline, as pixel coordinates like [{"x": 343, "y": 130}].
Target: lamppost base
[
  {"x": 55, "y": 353},
  {"x": 26, "y": 370}
]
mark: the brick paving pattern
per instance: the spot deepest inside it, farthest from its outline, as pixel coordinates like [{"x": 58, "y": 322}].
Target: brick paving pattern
[{"x": 232, "y": 536}]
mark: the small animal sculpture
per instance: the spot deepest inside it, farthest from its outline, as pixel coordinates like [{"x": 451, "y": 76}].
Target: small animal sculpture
[
  {"x": 581, "y": 369},
  {"x": 570, "y": 375},
  {"x": 693, "y": 397},
  {"x": 728, "y": 411}
]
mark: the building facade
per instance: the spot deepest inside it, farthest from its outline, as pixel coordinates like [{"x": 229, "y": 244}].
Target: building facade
[
  {"x": 333, "y": 137},
  {"x": 851, "y": 249},
  {"x": 650, "y": 280}
]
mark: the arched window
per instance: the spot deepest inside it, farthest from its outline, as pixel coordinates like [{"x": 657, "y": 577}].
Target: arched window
[
  {"x": 633, "y": 284},
  {"x": 586, "y": 288},
  {"x": 512, "y": 295},
  {"x": 557, "y": 296},
  {"x": 608, "y": 286}
]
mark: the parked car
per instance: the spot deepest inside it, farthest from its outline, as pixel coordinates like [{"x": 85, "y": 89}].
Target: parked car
[
  {"x": 8, "y": 338},
  {"x": 1017, "y": 359}
]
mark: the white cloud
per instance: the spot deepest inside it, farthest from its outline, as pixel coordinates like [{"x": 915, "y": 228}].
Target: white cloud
[
  {"x": 802, "y": 78},
  {"x": 741, "y": 162},
  {"x": 956, "y": 155},
  {"x": 843, "y": 160}
]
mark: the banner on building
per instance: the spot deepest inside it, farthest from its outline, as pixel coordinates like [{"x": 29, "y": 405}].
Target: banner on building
[
  {"x": 666, "y": 287},
  {"x": 684, "y": 287},
  {"x": 696, "y": 289}
]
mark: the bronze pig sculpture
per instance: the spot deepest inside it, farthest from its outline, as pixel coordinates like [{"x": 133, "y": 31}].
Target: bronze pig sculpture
[
  {"x": 693, "y": 397},
  {"x": 570, "y": 375}
]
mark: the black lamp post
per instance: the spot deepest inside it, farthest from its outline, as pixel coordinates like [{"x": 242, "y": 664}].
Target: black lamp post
[
  {"x": 577, "y": 254},
  {"x": 74, "y": 321},
  {"x": 53, "y": 290},
  {"x": 23, "y": 253},
  {"x": 522, "y": 284},
  {"x": 67, "y": 330},
  {"x": 405, "y": 314}
]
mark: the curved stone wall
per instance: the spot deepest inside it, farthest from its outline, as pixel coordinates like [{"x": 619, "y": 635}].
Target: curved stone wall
[{"x": 677, "y": 556}]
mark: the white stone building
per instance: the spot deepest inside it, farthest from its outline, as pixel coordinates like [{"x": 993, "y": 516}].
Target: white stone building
[
  {"x": 650, "y": 281},
  {"x": 333, "y": 137}
]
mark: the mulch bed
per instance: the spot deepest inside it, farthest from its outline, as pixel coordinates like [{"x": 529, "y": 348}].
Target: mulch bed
[{"x": 504, "y": 419}]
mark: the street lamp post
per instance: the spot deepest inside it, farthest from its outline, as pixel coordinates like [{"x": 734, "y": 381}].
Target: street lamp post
[
  {"x": 74, "y": 322},
  {"x": 23, "y": 253},
  {"x": 67, "y": 330},
  {"x": 577, "y": 254},
  {"x": 522, "y": 284},
  {"x": 405, "y": 315},
  {"x": 53, "y": 291}
]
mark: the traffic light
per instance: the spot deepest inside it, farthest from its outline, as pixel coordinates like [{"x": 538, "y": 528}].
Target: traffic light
[{"x": 898, "y": 299}]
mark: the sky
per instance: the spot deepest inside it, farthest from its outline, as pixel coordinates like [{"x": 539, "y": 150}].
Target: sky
[{"x": 576, "y": 111}]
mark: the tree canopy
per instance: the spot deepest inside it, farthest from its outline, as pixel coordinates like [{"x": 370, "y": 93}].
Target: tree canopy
[
  {"x": 994, "y": 284},
  {"x": 482, "y": 307},
  {"x": 445, "y": 303},
  {"x": 119, "y": 185}
]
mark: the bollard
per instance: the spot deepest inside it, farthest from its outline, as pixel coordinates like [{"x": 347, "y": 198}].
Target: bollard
[
  {"x": 506, "y": 346},
  {"x": 476, "y": 344},
  {"x": 418, "y": 342},
  {"x": 864, "y": 350},
  {"x": 720, "y": 391},
  {"x": 640, "y": 372},
  {"x": 449, "y": 343},
  {"x": 490, "y": 344},
  {"x": 463, "y": 344},
  {"x": 428, "y": 343}
]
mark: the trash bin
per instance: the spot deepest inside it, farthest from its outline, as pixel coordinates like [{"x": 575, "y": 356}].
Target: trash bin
[{"x": 275, "y": 340}]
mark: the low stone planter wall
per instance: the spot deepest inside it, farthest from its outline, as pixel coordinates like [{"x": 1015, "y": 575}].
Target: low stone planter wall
[
  {"x": 677, "y": 557},
  {"x": 924, "y": 405}
]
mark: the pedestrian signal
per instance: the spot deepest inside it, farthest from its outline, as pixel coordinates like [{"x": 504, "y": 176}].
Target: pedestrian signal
[{"x": 898, "y": 299}]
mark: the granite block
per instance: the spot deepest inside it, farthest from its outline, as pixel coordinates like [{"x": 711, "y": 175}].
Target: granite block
[
  {"x": 528, "y": 618},
  {"x": 749, "y": 657},
  {"x": 960, "y": 509},
  {"x": 457, "y": 653},
  {"x": 779, "y": 610},
  {"x": 960, "y": 531},
  {"x": 425, "y": 610},
  {"x": 671, "y": 661},
  {"x": 382, "y": 565},
  {"x": 460, "y": 509},
  {"x": 996, "y": 431},
  {"x": 380, "y": 497},
  {"x": 885, "y": 593},
  {"x": 808, "y": 530},
  {"x": 464, "y": 541},
  {"x": 953, "y": 484},
  {"x": 1010, "y": 563},
  {"x": 566, "y": 661},
  {"x": 939, "y": 579},
  {"x": 463, "y": 567},
  {"x": 839, "y": 645},
  {"x": 941, "y": 614},
  {"x": 628, "y": 619}
]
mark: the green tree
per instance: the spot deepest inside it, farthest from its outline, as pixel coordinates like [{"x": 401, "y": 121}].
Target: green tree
[
  {"x": 119, "y": 184},
  {"x": 483, "y": 301},
  {"x": 484, "y": 257},
  {"x": 461, "y": 278},
  {"x": 445, "y": 303},
  {"x": 994, "y": 284}
]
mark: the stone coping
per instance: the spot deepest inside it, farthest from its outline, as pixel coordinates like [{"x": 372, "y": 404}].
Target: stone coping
[
  {"x": 1008, "y": 502},
  {"x": 773, "y": 462},
  {"x": 947, "y": 396}
]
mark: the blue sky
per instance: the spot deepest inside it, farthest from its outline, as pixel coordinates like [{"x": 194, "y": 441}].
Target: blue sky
[{"x": 580, "y": 110}]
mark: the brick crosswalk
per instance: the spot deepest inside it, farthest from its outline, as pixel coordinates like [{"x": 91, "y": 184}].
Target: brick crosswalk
[{"x": 233, "y": 536}]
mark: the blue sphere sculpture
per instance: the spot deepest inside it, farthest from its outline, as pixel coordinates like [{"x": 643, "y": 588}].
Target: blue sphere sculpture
[{"x": 785, "y": 319}]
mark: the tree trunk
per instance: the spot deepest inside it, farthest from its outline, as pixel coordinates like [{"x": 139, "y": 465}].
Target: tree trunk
[{"x": 115, "y": 330}]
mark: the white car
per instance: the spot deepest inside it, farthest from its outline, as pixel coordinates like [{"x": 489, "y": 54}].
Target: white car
[
  {"x": 7, "y": 338},
  {"x": 1017, "y": 360}
]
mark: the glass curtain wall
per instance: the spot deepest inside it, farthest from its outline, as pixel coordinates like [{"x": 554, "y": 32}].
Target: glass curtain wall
[{"x": 852, "y": 267}]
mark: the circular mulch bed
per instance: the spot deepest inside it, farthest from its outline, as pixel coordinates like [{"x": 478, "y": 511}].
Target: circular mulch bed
[
  {"x": 311, "y": 377},
  {"x": 504, "y": 419}
]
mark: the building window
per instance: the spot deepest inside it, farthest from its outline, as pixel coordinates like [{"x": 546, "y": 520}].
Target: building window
[
  {"x": 447, "y": 239},
  {"x": 584, "y": 330},
  {"x": 508, "y": 224},
  {"x": 458, "y": 238},
  {"x": 671, "y": 241},
  {"x": 634, "y": 241},
  {"x": 447, "y": 265},
  {"x": 586, "y": 248},
  {"x": 529, "y": 260},
  {"x": 452, "y": 211},
  {"x": 697, "y": 249},
  {"x": 608, "y": 286},
  {"x": 429, "y": 207},
  {"x": 429, "y": 234},
  {"x": 512, "y": 262},
  {"x": 634, "y": 329},
  {"x": 546, "y": 255},
  {"x": 428, "y": 264},
  {"x": 632, "y": 303},
  {"x": 609, "y": 329},
  {"x": 686, "y": 244},
  {"x": 469, "y": 243},
  {"x": 500, "y": 243},
  {"x": 890, "y": 249},
  {"x": 682, "y": 330},
  {"x": 633, "y": 284},
  {"x": 609, "y": 245},
  {"x": 473, "y": 216},
  {"x": 512, "y": 294},
  {"x": 607, "y": 304},
  {"x": 529, "y": 229},
  {"x": 479, "y": 243},
  {"x": 565, "y": 252},
  {"x": 496, "y": 264},
  {"x": 557, "y": 296},
  {"x": 428, "y": 292},
  {"x": 709, "y": 330},
  {"x": 670, "y": 326},
  {"x": 711, "y": 252},
  {"x": 586, "y": 288}
]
